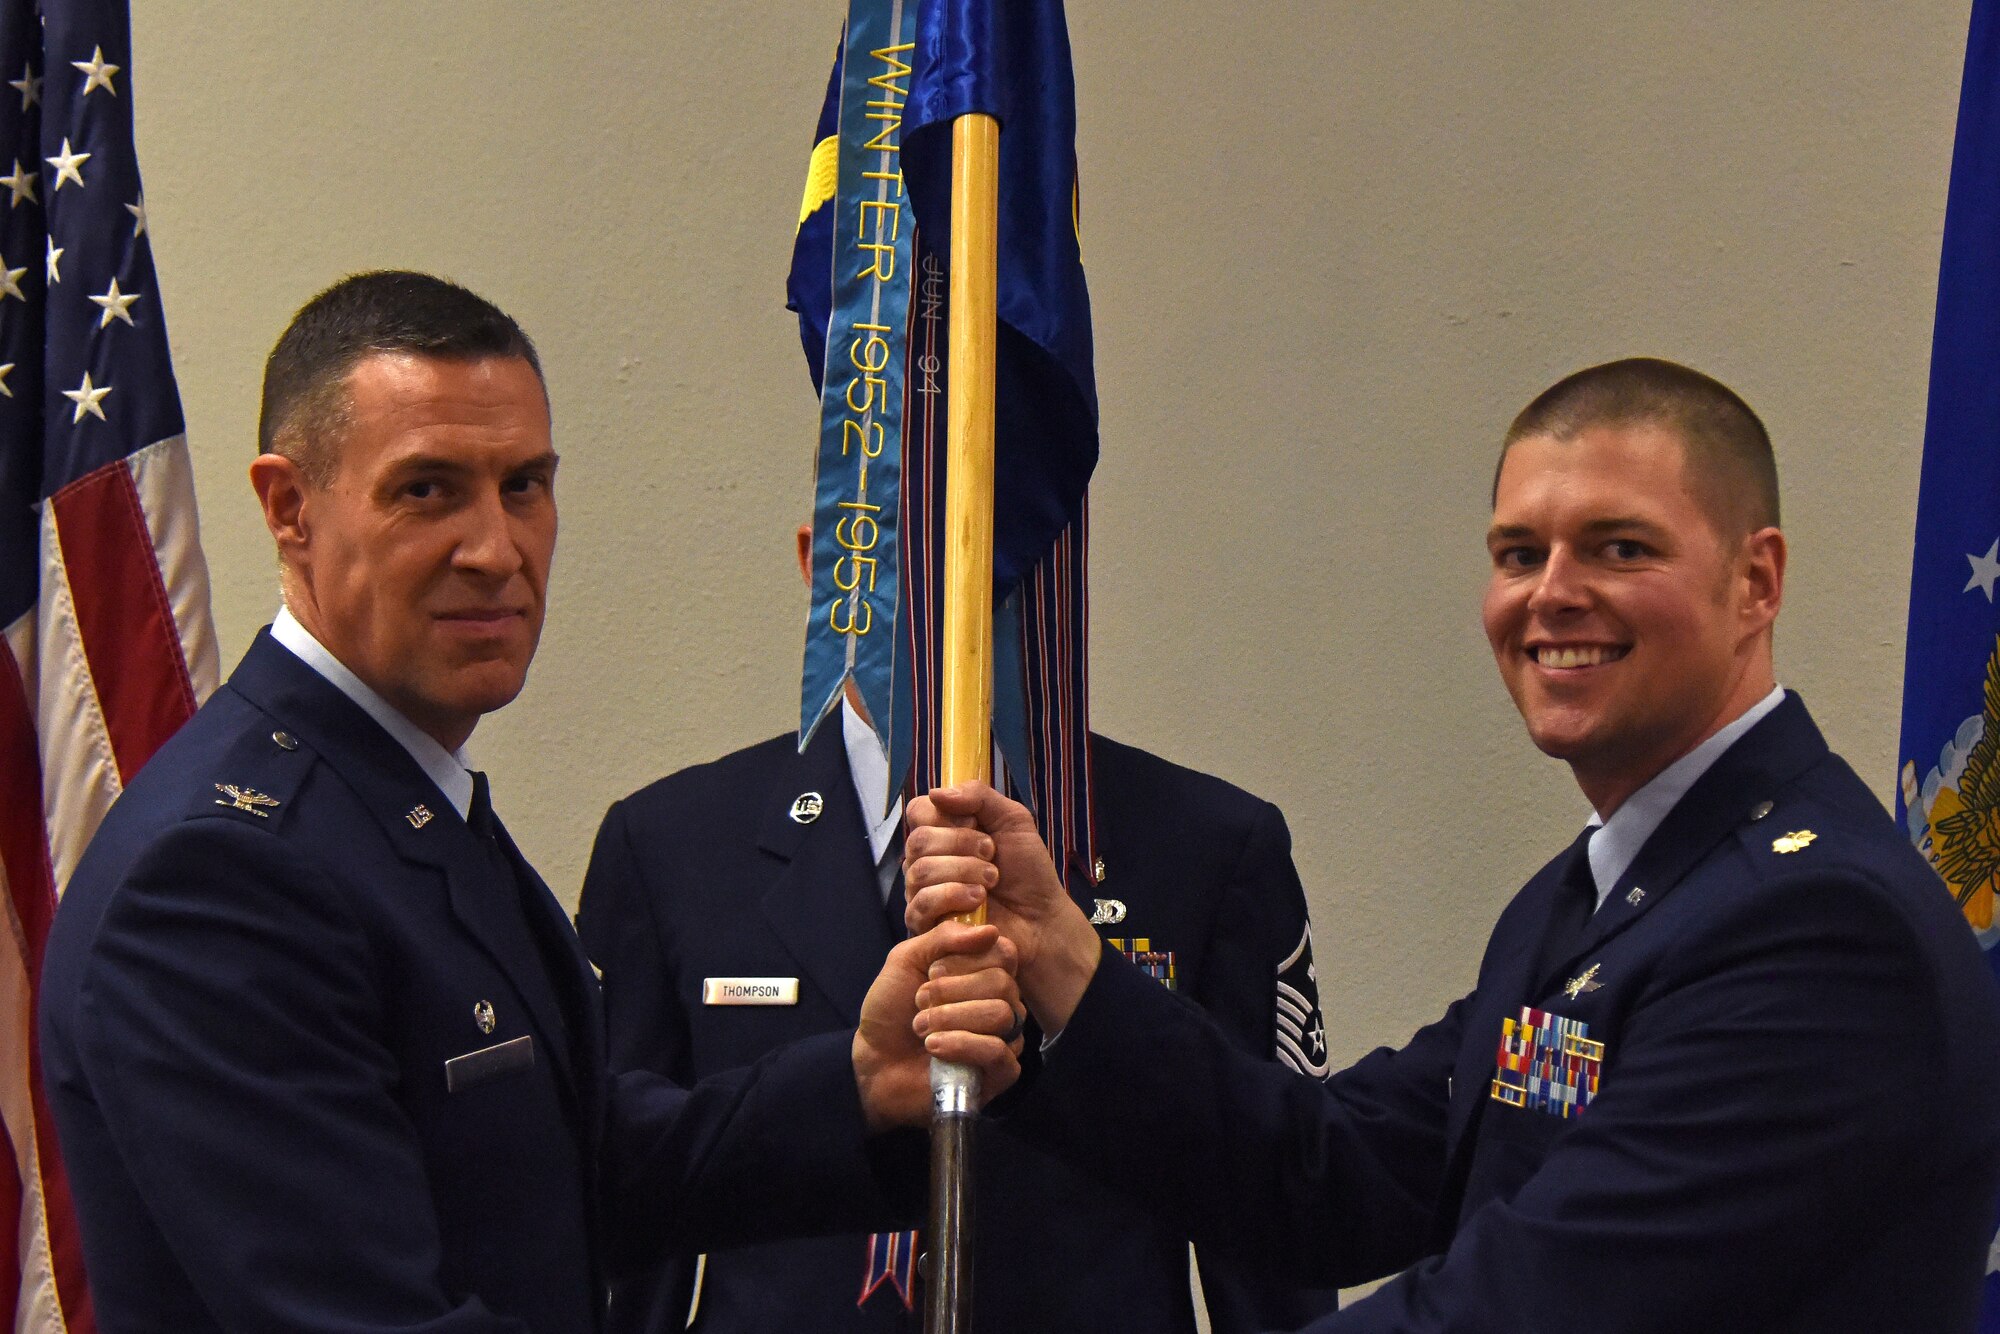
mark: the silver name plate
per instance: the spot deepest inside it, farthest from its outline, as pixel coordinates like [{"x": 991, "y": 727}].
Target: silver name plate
[
  {"x": 749, "y": 991},
  {"x": 476, "y": 1067}
]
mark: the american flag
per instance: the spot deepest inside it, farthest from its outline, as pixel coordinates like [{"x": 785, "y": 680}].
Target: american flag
[{"x": 105, "y": 640}]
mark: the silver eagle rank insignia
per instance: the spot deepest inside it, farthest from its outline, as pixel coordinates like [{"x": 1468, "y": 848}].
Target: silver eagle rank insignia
[{"x": 246, "y": 799}]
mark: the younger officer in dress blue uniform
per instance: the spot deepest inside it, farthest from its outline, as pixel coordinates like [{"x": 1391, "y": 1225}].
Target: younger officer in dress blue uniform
[
  {"x": 1732, "y": 1061},
  {"x": 323, "y": 1053},
  {"x": 784, "y": 866}
]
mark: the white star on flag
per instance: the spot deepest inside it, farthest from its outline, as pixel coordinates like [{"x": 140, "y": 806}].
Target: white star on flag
[
  {"x": 116, "y": 305},
  {"x": 138, "y": 211},
  {"x": 98, "y": 70},
  {"x": 88, "y": 398},
  {"x": 22, "y": 183},
  {"x": 1985, "y": 571},
  {"x": 68, "y": 165},
  {"x": 100, "y": 557}
]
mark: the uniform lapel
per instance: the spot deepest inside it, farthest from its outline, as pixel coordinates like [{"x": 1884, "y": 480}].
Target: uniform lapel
[
  {"x": 419, "y": 823},
  {"x": 1506, "y": 983},
  {"x": 490, "y": 913},
  {"x": 1738, "y": 787},
  {"x": 580, "y": 979},
  {"x": 823, "y": 902}
]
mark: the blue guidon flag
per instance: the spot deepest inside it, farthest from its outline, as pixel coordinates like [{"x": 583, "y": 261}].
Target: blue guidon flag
[
  {"x": 870, "y": 285},
  {"x": 105, "y": 641},
  {"x": 1949, "y": 780}
]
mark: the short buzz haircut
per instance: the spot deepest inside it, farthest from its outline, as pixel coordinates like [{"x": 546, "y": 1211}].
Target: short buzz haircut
[
  {"x": 1729, "y": 461},
  {"x": 305, "y": 406}
]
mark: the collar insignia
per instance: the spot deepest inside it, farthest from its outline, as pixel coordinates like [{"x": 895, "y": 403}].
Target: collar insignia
[
  {"x": 1796, "y": 841},
  {"x": 1587, "y": 982},
  {"x": 806, "y": 808},
  {"x": 1106, "y": 912},
  {"x": 246, "y": 799}
]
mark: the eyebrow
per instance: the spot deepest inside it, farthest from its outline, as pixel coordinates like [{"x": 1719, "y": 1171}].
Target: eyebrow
[
  {"x": 1502, "y": 532},
  {"x": 425, "y": 461},
  {"x": 1623, "y": 524}
]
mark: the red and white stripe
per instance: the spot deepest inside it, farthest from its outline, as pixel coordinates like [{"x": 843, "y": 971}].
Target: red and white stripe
[{"x": 118, "y": 654}]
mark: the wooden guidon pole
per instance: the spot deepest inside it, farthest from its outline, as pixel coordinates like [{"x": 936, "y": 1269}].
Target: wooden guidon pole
[{"x": 966, "y": 708}]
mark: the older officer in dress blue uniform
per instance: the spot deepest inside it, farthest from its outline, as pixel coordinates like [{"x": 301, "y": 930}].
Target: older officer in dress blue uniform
[
  {"x": 772, "y": 863},
  {"x": 1732, "y": 1061},
  {"x": 322, "y": 1050}
]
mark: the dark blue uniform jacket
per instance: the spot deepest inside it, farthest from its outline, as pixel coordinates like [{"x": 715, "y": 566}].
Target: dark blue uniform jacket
[
  {"x": 247, "y": 1011},
  {"x": 1796, "y": 1128},
  {"x": 706, "y": 874}
]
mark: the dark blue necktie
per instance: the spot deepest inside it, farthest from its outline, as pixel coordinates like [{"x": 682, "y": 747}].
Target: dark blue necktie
[{"x": 1569, "y": 915}]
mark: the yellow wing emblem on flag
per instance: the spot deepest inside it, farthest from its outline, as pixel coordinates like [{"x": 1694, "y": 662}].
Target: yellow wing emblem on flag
[
  {"x": 822, "y": 174},
  {"x": 1965, "y": 824}
]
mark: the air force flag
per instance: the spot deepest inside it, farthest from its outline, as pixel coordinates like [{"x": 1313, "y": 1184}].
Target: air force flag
[{"x": 1949, "y": 780}]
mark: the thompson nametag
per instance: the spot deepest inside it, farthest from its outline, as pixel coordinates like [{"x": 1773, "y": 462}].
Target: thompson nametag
[{"x": 749, "y": 991}]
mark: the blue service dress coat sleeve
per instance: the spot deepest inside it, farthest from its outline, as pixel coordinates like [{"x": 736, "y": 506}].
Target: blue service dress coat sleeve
[
  {"x": 1260, "y": 986},
  {"x": 1795, "y": 1127}
]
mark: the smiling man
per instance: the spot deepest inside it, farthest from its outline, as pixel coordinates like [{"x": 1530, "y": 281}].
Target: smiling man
[
  {"x": 322, "y": 1049},
  {"x": 1732, "y": 1060}
]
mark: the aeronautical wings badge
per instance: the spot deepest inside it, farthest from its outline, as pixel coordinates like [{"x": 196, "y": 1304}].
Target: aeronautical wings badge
[{"x": 1576, "y": 986}]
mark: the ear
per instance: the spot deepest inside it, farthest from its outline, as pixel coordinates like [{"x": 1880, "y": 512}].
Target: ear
[
  {"x": 281, "y": 491},
  {"x": 1763, "y": 575},
  {"x": 805, "y": 539}
]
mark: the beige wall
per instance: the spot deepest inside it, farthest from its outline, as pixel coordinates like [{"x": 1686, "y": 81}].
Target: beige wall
[{"x": 1332, "y": 246}]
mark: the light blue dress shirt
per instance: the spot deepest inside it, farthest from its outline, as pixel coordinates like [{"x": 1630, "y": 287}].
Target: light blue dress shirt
[
  {"x": 1618, "y": 841},
  {"x": 449, "y": 769}
]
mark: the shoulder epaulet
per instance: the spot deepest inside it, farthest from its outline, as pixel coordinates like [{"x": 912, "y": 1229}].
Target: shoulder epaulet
[
  {"x": 254, "y": 779},
  {"x": 1784, "y": 830}
]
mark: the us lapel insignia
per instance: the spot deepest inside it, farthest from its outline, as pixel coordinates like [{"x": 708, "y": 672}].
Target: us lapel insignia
[
  {"x": 1546, "y": 1063},
  {"x": 1636, "y": 895},
  {"x": 807, "y": 806},
  {"x": 1156, "y": 964},
  {"x": 246, "y": 799},
  {"x": 418, "y": 815},
  {"x": 1587, "y": 982},
  {"x": 1796, "y": 841},
  {"x": 482, "y": 1014},
  {"x": 1106, "y": 912}
]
